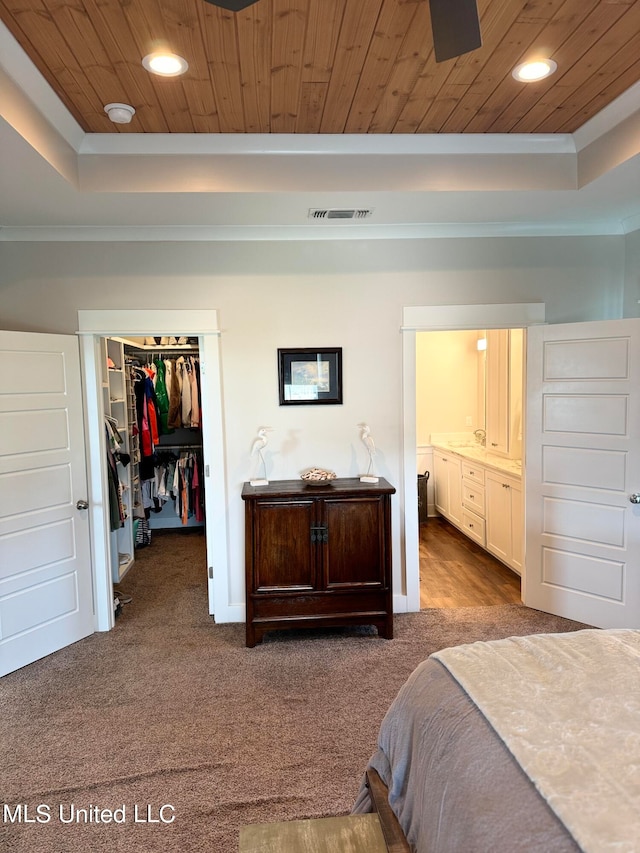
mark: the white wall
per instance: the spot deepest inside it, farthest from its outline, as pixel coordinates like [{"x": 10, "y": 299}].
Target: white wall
[
  {"x": 580, "y": 278},
  {"x": 447, "y": 383},
  {"x": 632, "y": 275},
  {"x": 270, "y": 295}
]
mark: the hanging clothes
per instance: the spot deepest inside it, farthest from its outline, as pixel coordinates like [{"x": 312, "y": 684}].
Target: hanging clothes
[
  {"x": 189, "y": 477},
  {"x": 182, "y": 381},
  {"x": 178, "y": 478},
  {"x": 168, "y": 373},
  {"x": 162, "y": 484},
  {"x": 185, "y": 367},
  {"x": 162, "y": 395},
  {"x": 115, "y": 456},
  {"x": 198, "y": 497},
  {"x": 175, "y": 395},
  {"x": 148, "y": 419},
  {"x": 152, "y": 407},
  {"x": 194, "y": 414},
  {"x": 198, "y": 389},
  {"x": 167, "y": 398}
]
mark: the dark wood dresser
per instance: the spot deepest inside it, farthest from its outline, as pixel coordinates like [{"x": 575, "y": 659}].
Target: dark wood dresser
[{"x": 318, "y": 555}]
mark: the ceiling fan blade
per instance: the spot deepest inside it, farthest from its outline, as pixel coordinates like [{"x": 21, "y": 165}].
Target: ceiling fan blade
[
  {"x": 456, "y": 27},
  {"x": 233, "y": 5}
]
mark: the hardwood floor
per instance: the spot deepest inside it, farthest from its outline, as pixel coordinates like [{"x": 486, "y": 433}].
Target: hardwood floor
[{"x": 455, "y": 572}]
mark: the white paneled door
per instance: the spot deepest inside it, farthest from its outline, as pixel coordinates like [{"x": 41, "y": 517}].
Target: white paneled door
[
  {"x": 45, "y": 568},
  {"x": 583, "y": 472}
]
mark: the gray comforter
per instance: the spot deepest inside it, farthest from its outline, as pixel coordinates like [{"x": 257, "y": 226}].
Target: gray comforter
[{"x": 453, "y": 784}]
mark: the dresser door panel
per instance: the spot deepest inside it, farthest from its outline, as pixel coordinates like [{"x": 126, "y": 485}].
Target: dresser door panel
[
  {"x": 354, "y": 555},
  {"x": 284, "y": 551}
]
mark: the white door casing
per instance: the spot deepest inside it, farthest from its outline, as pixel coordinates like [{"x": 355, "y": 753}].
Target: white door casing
[
  {"x": 583, "y": 465},
  {"x": 126, "y": 323},
  {"x": 433, "y": 318},
  {"x": 46, "y": 599}
]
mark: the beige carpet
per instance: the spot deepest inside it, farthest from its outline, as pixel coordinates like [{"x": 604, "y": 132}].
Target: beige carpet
[{"x": 170, "y": 709}]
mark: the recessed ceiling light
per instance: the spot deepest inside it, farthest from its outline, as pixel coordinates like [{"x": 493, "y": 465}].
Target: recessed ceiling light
[
  {"x": 165, "y": 64},
  {"x": 538, "y": 69}
]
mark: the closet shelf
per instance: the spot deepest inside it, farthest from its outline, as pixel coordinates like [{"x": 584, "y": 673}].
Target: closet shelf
[
  {"x": 116, "y": 382},
  {"x": 136, "y": 345}
]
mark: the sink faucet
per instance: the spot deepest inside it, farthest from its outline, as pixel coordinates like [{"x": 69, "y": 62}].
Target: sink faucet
[{"x": 481, "y": 436}]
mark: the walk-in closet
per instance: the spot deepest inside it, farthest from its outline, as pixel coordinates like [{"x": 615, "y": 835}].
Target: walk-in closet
[{"x": 152, "y": 398}]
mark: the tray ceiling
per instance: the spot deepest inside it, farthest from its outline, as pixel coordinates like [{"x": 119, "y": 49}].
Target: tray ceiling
[
  {"x": 294, "y": 105},
  {"x": 328, "y": 66}
]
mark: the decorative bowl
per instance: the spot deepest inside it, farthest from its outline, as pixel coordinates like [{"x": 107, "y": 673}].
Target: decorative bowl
[{"x": 318, "y": 477}]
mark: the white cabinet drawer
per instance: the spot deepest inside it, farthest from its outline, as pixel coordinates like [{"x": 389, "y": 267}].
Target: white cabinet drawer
[
  {"x": 473, "y": 497},
  {"x": 473, "y": 526},
  {"x": 470, "y": 471}
]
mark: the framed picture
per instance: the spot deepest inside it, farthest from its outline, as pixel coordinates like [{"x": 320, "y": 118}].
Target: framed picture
[{"x": 310, "y": 376}]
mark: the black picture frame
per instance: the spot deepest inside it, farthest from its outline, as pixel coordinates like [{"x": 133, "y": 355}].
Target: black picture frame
[{"x": 310, "y": 376}]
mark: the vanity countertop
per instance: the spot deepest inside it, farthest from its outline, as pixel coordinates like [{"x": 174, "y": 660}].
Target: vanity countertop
[{"x": 477, "y": 453}]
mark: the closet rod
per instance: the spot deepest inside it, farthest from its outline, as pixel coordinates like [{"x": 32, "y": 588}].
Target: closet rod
[
  {"x": 149, "y": 356},
  {"x": 130, "y": 348},
  {"x": 177, "y": 447}
]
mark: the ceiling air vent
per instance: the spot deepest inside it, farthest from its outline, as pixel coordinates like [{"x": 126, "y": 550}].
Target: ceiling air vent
[{"x": 339, "y": 213}]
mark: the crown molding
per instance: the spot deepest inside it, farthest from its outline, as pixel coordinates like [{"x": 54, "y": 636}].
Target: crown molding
[{"x": 322, "y": 232}]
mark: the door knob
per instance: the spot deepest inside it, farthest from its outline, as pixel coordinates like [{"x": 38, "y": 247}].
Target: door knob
[
  {"x": 82, "y": 504},
  {"x": 635, "y": 498}
]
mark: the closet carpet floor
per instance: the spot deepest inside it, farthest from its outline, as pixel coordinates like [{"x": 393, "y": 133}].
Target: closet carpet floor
[{"x": 167, "y": 734}]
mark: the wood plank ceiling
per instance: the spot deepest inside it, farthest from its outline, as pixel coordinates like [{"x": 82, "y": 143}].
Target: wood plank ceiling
[{"x": 328, "y": 66}]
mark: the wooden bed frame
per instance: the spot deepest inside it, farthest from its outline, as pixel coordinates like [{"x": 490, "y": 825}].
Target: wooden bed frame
[{"x": 393, "y": 835}]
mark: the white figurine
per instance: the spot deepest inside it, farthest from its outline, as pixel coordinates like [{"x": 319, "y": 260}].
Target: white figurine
[
  {"x": 258, "y": 446},
  {"x": 367, "y": 440}
]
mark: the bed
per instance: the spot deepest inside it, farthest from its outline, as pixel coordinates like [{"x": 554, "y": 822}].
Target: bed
[{"x": 524, "y": 744}]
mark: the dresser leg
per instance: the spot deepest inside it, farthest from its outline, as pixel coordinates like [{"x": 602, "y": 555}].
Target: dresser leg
[{"x": 385, "y": 629}]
